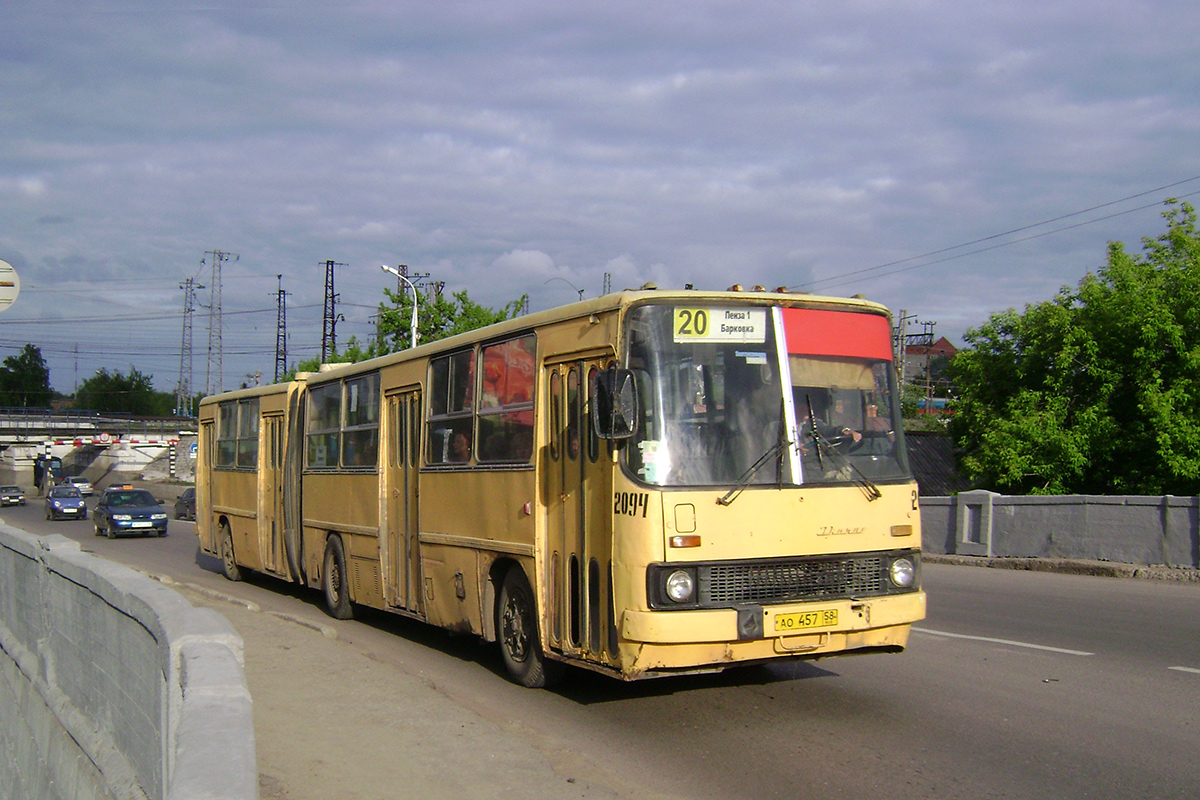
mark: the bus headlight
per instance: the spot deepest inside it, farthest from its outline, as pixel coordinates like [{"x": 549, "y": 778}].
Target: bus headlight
[
  {"x": 680, "y": 585},
  {"x": 902, "y": 573}
]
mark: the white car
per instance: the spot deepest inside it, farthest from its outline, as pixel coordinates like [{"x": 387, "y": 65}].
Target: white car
[{"x": 79, "y": 482}]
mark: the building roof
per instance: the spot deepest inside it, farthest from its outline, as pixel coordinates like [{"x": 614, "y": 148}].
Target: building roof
[
  {"x": 931, "y": 456},
  {"x": 942, "y": 347}
]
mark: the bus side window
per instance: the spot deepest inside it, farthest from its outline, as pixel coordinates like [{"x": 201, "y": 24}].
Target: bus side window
[
  {"x": 573, "y": 403},
  {"x": 555, "y": 415},
  {"x": 593, "y": 441},
  {"x": 451, "y": 406}
]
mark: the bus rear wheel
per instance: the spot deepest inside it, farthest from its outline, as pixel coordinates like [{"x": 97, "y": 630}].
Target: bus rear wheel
[
  {"x": 520, "y": 644},
  {"x": 334, "y": 580},
  {"x": 228, "y": 562}
]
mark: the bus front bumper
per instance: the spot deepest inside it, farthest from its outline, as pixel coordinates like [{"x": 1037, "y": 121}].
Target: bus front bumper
[{"x": 673, "y": 640}]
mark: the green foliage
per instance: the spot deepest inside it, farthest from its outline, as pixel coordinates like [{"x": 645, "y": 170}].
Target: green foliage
[
  {"x": 25, "y": 380},
  {"x": 1096, "y": 391},
  {"x": 437, "y": 318},
  {"x": 113, "y": 392}
]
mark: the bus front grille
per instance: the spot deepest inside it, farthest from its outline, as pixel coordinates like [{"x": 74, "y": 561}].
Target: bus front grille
[{"x": 791, "y": 580}]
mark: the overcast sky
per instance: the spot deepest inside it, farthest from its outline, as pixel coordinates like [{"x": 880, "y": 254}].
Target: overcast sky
[{"x": 942, "y": 160}]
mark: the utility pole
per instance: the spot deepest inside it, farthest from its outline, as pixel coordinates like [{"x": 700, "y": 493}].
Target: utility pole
[
  {"x": 607, "y": 283},
  {"x": 183, "y": 391},
  {"x": 329, "y": 320},
  {"x": 215, "y": 348},
  {"x": 900, "y": 343},
  {"x": 280, "y": 331}
]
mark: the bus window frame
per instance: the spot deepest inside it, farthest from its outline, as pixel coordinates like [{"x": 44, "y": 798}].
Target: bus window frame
[
  {"x": 348, "y": 428},
  {"x": 451, "y": 415},
  {"x": 514, "y": 420},
  {"x": 237, "y": 435},
  {"x": 360, "y": 434}
]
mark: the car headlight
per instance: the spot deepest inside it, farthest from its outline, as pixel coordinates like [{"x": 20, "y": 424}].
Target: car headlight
[
  {"x": 121, "y": 517},
  {"x": 902, "y": 573},
  {"x": 158, "y": 516},
  {"x": 680, "y": 585}
]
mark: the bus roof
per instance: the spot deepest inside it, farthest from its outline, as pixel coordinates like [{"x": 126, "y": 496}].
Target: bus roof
[{"x": 582, "y": 308}]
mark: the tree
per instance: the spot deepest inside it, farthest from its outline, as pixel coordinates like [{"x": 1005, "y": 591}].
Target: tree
[
  {"x": 437, "y": 318},
  {"x": 113, "y": 392},
  {"x": 1098, "y": 390},
  {"x": 25, "y": 380}
]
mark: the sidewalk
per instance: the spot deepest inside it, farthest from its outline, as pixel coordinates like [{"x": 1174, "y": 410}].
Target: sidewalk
[
  {"x": 332, "y": 721},
  {"x": 1067, "y": 566}
]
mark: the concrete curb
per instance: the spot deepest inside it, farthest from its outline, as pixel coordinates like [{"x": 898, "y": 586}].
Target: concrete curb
[
  {"x": 1066, "y": 566},
  {"x": 149, "y": 689}
]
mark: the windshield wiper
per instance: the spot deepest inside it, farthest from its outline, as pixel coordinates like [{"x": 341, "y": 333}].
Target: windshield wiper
[
  {"x": 776, "y": 450},
  {"x": 744, "y": 479},
  {"x": 869, "y": 488}
]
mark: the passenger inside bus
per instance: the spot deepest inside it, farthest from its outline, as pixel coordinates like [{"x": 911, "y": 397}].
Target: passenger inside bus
[{"x": 460, "y": 448}]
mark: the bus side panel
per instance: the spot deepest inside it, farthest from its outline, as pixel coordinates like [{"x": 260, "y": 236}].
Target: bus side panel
[
  {"x": 235, "y": 503},
  {"x": 345, "y": 504},
  {"x": 469, "y": 519}
]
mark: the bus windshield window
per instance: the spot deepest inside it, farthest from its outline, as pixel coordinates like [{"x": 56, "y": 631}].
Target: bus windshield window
[{"x": 714, "y": 410}]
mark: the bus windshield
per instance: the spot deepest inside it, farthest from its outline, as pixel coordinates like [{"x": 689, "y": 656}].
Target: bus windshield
[{"x": 763, "y": 395}]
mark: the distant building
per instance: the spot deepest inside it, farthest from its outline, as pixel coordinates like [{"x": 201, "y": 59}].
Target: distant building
[{"x": 932, "y": 358}]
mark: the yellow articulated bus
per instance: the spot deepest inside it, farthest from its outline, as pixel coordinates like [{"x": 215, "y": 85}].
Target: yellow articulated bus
[{"x": 648, "y": 483}]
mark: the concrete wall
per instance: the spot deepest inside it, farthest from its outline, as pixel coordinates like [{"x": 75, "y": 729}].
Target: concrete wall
[
  {"x": 112, "y": 685},
  {"x": 1125, "y": 529}
]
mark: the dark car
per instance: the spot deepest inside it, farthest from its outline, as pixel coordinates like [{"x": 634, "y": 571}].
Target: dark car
[
  {"x": 12, "y": 496},
  {"x": 65, "y": 502},
  {"x": 185, "y": 505},
  {"x": 124, "y": 509}
]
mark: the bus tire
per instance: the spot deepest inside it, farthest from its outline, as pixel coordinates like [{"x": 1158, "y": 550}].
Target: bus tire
[
  {"x": 517, "y": 629},
  {"x": 228, "y": 561},
  {"x": 335, "y": 582}
]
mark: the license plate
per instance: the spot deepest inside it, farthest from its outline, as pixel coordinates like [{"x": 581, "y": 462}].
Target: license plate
[
  {"x": 141, "y": 525},
  {"x": 804, "y": 620},
  {"x": 70, "y": 510}
]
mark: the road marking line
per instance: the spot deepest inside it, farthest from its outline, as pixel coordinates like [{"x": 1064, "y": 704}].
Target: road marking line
[
  {"x": 1186, "y": 669},
  {"x": 1004, "y": 641}
]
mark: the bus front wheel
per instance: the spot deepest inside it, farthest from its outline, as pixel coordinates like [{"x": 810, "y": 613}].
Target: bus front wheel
[
  {"x": 334, "y": 580},
  {"x": 520, "y": 644},
  {"x": 228, "y": 562}
]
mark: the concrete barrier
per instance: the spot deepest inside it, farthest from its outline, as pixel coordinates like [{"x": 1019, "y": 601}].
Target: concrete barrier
[
  {"x": 1125, "y": 528},
  {"x": 112, "y": 685}
]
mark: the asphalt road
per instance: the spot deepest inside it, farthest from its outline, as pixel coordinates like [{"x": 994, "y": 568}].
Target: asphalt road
[{"x": 1018, "y": 685}]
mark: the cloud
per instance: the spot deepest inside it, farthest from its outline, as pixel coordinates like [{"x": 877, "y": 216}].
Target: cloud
[{"x": 540, "y": 148}]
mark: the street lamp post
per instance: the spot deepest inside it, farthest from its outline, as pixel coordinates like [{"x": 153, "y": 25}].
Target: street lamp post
[{"x": 412, "y": 286}]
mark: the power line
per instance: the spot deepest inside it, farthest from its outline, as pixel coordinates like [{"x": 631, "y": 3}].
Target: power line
[{"x": 837, "y": 280}]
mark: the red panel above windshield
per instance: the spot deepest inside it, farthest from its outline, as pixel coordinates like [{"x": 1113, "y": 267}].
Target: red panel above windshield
[{"x": 815, "y": 332}]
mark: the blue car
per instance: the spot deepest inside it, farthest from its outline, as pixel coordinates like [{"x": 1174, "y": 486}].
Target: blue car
[
  {"x": 65, "y": 502},
  {"x": 124, "y": 509}
]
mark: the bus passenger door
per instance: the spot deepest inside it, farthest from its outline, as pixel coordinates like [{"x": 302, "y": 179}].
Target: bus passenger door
[
  {"x": 270, "y": 470},
  {"x": 403, "y": 451},
  {"x": 578, "y": 499}
]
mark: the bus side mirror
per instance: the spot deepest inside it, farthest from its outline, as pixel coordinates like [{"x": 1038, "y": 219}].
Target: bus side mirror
[{"x": 614, "y": 404}]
